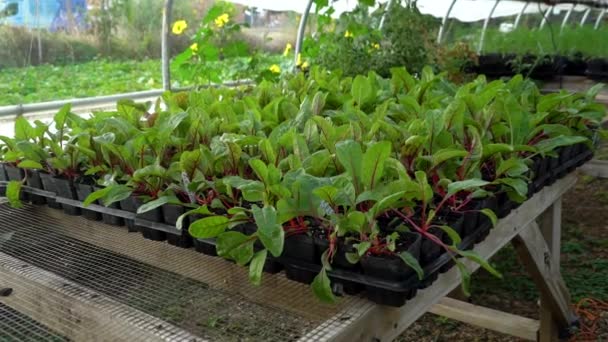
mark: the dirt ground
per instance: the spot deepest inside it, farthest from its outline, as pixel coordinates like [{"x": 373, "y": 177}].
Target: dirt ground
[{"x": 584, "y": 267}]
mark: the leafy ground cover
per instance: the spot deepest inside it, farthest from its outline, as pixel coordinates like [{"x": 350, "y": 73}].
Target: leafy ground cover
[
  {"x": 100, "y": 77},
  {"x": 48, "y": 82}
]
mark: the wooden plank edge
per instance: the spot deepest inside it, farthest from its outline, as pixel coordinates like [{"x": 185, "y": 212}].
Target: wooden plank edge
[
  {"x": 596, "y": 168},
  {"x": 500, "y": 321}
]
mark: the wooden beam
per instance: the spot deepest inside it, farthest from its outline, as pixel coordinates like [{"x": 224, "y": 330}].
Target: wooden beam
[
  {"x": 596, "y": 168},
  {"x": 77, "y": 312},
  {"x": 370, "y": 322},
  {"x": 533, "y": 251},
  {"x": 487, "y": 318}
]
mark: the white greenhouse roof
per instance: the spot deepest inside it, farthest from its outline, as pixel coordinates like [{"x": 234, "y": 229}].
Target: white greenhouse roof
[{"x": 464, "y": 10}]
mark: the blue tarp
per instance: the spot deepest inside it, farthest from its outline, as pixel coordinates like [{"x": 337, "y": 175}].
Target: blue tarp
[{"x": 48, "y": 14}]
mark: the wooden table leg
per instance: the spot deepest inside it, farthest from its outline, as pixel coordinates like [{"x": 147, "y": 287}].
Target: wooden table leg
[
  {"x": 550, "y": 226},
  {"x": 538, "y": 249}
]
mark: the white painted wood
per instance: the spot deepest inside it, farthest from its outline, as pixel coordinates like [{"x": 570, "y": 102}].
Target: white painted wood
[
  {"x": 370, "y": 322},
  {"x": 536, "y": 256},
  {"x": 596, "y": 168},
  {"x": 487, "y": 318}
]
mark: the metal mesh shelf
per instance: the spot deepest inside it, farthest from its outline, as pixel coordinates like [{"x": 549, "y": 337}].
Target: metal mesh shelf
[
  {"x": 17, "y": 327},
  {"x": 204, "y": 296}
]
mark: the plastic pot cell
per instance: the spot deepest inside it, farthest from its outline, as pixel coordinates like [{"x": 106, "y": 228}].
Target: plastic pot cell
[
  {"x": 205, "y": 246},
  {"x": 109, "y": 218},
  {"x": 391, "y": 267},
  {"x": 82, "y": 192},
  {"x": 129, "y": 204},
  {"x": 3, "y": 178},
  {"x": 181, "y": 238},
  {"x": 597, "y": 69},
  {"x": 495, "y": 65},
  {"x": 154, "y": 215},
  {"x": 34, "y": 181},
  {"x": 300, "y": 247},
  {"x": 65, "y": 188},
  {"x": 48, "y": 184}
]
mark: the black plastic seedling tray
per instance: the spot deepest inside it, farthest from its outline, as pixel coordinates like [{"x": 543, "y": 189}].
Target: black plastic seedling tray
[{"x": 346, "y": 280}]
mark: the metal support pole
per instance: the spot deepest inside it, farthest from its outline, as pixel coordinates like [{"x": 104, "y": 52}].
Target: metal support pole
[
  {"x": 585, "y": 16},
  {"x": 545, "y": 16},
  {"x": 599, "y": 19},
  {"x": 165, "y": 68},
  {"x": 485, "y": 27},
  {"x": 444, "y": 22},
  {"x": 386, "y": 10},
  {"x": 301, "y": 32},
  {"x": 521, "y": 13},
  {"x": 566, "y": 17}
]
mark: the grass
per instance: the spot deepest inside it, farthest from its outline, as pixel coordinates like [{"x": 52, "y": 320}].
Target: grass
[
  {"x": 96, "y": 78},
  {"x": 48, "y": 82},
  {"x": 585, "y": 40},
  {"x": 584, "y": 251}
]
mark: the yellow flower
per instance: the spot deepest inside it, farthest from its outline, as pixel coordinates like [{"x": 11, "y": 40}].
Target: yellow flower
[
  {"x": 275, "y": 69},
  {"x": 299, "y": 60},
  {"x": 376, "y": 46},
  {"x": 287, "y": 49},
  {"x": 348, "y": 34},
  {"x": 179, "y": 26},
  {"x": 194, "y": 47},
  {"x": 222, "y": 20},
  {"x": 305, "y": 65}
]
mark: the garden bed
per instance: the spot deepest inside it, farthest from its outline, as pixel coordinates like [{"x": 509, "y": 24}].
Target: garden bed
[{"x": 348, "y": 184}]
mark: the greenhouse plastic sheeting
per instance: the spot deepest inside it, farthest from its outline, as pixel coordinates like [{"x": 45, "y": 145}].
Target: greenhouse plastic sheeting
[
  {"x": 48, "y": 14},
  {"x": 464, "y": 10}
]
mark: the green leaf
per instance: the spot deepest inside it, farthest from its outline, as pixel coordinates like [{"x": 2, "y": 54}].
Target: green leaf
[
  {"x": 447, "y": 154},
  {"x": 208, "y": 227},
  {"x": 409, "y": 260},
  {"x": 465, "y": 275},
  {"x": 491, "y": 215},
  {"x": 513, "y": 167},
  {"x": 473, "y": 256},
  {"x": 270, "y": 232},
  {"x": 452, "y": 234},
  {"x": 373, "y": 163},
  {"x": 469, "y": 184},
  {"x": 61, "y": 117},
  {"x": 426, "y": 192},
  {"x": 386, "y": 203},
  {"x": 13, "y": 190},
  {"x": 256, "y": 267},
  {"x": 236, "y": 246},
  {"x": 200, "y": 210},
  {"x": 157, "y": 203},
  {"x": 260, "y": 170},
  {"x": 519, "y": 185},
  {"x": 351, "y": 157},
  {"x": 362, "y": 247},
  {"x": 23, "y": 129},
  {"x": 30, "y": 164},
  {"x": 551, "y": 144},
  {"x": 362, "y": 90},
  {"x": 321, "y": 287}
]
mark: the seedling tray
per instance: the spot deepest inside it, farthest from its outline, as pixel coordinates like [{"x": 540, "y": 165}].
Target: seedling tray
[{"x": 352, "y": 281}]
